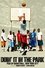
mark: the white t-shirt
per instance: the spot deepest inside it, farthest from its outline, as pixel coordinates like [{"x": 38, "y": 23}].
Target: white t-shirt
[
  {"x": 4, "y": 36},
  {"x": 22, "y": 31},
  {"x": 10, "y": 37},
  {"x": 39, "y": 35}
]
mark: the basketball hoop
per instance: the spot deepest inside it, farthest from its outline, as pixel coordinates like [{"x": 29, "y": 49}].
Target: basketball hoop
[{"x": 23, "y": 4}]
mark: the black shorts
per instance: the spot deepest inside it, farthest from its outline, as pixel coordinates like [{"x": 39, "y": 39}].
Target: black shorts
[{"x": 40, "y": 42}]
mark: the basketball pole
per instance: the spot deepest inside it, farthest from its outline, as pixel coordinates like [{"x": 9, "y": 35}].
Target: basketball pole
[
  {"x": 30, "y": 21},
  {"x": 29, "y": 26},
  {"x": 11, "y": 24}
]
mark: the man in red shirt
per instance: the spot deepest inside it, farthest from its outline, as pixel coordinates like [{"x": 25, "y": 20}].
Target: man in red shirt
[{"x": 19, "y": 39}]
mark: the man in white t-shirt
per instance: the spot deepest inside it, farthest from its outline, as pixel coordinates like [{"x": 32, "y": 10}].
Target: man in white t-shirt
[
  {"x": 40, "y": 40},
  {"x": 3, "y": 38},
  {"x": 10, "y": 41}
]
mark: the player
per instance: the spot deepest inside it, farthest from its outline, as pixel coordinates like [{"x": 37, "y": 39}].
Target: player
[
  {"x": 10, "y": 41},
  {"x": 23, "y": 31},
  {"x": 14, "y": 42},
  {"x": 40, "y": 39},
  {"x": 33, "y": 38},
  {"x": 19, "y": 39},
  {"x": 3, "y": 38}
]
